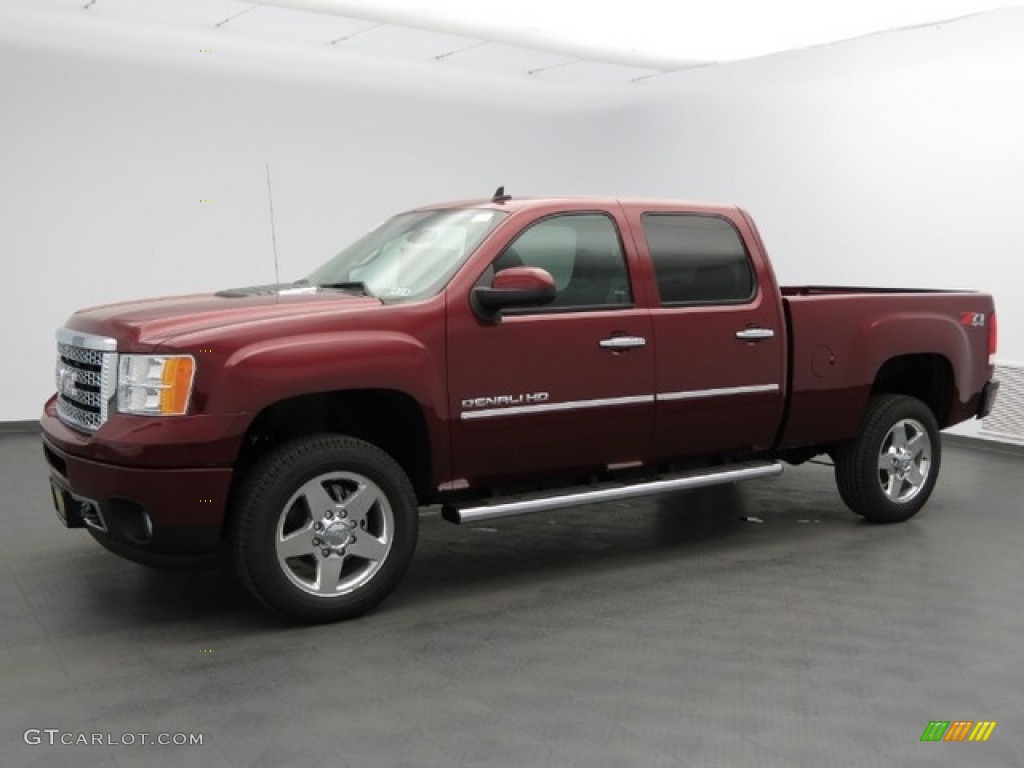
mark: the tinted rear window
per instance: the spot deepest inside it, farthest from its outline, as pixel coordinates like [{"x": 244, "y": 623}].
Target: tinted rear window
[{"x": 698, "y": 259}]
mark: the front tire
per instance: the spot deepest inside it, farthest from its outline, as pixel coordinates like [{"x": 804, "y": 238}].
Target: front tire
[
  {"x": 887, "y": 473},
  {"x": 324, "y": 528}
]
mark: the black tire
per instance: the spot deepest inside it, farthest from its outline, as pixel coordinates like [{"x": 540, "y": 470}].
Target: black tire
[
  {"x": 887, "y": 473},
  {"x": 323, "y": 528}
]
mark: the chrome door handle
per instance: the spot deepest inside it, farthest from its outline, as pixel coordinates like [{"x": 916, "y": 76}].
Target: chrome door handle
[
  {"x": 755, "y": 334},
  {"x": 623, "y": 342}
]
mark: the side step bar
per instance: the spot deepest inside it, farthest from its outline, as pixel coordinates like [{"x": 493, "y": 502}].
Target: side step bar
[{"x": 695, "y": 479}]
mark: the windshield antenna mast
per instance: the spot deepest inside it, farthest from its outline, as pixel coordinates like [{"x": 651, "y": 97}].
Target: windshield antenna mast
[{"x": 273, "y": 229}]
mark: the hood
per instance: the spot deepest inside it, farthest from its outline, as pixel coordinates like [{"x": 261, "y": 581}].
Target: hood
[{"x": 152, "y": 321}]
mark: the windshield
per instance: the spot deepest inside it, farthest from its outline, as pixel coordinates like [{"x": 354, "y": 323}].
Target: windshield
[{"x": 410, "y": 256}]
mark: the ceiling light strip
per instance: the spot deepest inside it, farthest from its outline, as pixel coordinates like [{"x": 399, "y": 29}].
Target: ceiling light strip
[{"x": 383, "y": 13}]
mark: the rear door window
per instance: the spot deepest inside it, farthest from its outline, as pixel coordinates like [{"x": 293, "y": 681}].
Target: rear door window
[{"x": 698, "y": 259}]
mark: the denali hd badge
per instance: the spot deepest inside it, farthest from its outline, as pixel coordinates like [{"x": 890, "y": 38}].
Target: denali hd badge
[{"x": 499, "y": 400}]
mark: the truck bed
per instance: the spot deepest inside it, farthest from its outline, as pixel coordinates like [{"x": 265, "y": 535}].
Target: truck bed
[{"x": 841, "y": 337}]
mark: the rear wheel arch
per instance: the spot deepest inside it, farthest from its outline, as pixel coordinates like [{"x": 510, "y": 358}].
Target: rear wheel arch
[{"x": 928, "y": 377}]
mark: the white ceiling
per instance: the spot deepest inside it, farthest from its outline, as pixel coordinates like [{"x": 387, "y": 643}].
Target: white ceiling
[{"x": 565, "y": 41}]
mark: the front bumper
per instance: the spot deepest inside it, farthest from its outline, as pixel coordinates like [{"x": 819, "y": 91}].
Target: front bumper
[{"x": 169, "y": 517}]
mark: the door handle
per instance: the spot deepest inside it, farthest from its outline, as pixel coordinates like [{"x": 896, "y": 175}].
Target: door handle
[
  {"x": 755, "y": 334},
  {"x": 623, "y": 342}
]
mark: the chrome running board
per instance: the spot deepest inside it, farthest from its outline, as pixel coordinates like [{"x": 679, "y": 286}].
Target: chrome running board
[{"x": 694, "y": 479}]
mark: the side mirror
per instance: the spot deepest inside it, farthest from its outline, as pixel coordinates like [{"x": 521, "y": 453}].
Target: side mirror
[{"x": 512, "y": 288}]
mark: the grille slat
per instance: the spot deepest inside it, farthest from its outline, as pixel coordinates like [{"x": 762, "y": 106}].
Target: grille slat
[
  {"x": 86, "y": 374},
  {"x": 93, "y": 357}
]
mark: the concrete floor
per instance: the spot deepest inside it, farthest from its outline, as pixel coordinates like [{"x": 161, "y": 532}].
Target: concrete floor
[{"x": 659, "y": 633}]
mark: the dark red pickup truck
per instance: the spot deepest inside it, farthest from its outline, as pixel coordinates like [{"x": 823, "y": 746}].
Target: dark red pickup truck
[{"x": 496, "y": 357}]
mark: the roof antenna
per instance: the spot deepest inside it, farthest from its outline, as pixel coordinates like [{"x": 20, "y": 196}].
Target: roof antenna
[
  {"x": 273, "y": 229},
  {"x": 500, "y": 196}
]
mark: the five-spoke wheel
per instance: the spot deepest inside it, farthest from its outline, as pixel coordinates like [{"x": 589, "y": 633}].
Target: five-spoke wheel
[
  {"x": 334, "y": 533},
  {"x": 905, "y": 460},
  {"x": 888, "y": 471},
  {"x": 324, "y": 527}
]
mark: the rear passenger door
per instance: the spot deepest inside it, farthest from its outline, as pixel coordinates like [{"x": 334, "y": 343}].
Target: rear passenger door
[{"x": 719, "y": 337}]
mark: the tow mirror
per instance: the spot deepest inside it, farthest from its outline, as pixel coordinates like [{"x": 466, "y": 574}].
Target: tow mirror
[{"x": 513, "y": 288}]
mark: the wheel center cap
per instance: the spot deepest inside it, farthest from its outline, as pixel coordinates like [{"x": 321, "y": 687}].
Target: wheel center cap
[
  {"x": 338, "y": 533},
  {"x": 902, "y": 461}
]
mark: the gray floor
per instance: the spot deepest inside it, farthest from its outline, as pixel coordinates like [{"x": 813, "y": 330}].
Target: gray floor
[{"x": 664, "y": 633}]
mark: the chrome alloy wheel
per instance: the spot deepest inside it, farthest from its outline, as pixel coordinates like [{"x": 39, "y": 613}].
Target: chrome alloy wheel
[
  {"x": 334, "y": 534},
  {"x": 904, "y": 461}
]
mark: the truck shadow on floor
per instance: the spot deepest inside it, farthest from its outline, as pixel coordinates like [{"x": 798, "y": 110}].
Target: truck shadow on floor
[
  {"x": 680, "y": 528},
  {"x": 547, "y": 550}
]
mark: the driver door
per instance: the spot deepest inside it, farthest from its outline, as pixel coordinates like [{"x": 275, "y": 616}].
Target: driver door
[{"x": 561, "y": 388}]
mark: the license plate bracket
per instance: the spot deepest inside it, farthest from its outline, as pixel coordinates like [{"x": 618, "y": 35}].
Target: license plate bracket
[{"x": 66, "y": 507}]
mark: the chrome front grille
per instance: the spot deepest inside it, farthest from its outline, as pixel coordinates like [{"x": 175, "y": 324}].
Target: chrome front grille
[{"x": 86, "y": 376}]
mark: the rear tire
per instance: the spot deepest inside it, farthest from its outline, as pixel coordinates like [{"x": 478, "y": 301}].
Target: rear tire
[
  {"x": 887, "y": 473},
  {"x": 324, "y": 528}
]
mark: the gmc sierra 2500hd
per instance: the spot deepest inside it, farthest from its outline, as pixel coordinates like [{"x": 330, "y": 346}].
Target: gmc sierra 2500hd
[{"x": 496, "y": 357}]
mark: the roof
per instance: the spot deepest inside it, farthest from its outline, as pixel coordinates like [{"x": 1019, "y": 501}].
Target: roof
[{"x": 516, "y": 204}]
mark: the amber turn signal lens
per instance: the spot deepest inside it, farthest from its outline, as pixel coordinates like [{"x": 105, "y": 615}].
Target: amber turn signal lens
[{"x": 177, "y": 381}]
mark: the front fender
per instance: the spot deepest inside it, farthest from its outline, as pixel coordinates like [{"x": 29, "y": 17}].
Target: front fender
[{"x": 268, "y": 371}]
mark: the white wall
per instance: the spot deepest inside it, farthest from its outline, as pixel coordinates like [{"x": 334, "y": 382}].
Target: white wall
[
  {"x": 112, "y": 136},
  {"x": 893, "y": 160}
]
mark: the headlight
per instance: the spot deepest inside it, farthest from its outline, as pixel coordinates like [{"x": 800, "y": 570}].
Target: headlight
[{"x": 154, "y": 385}]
